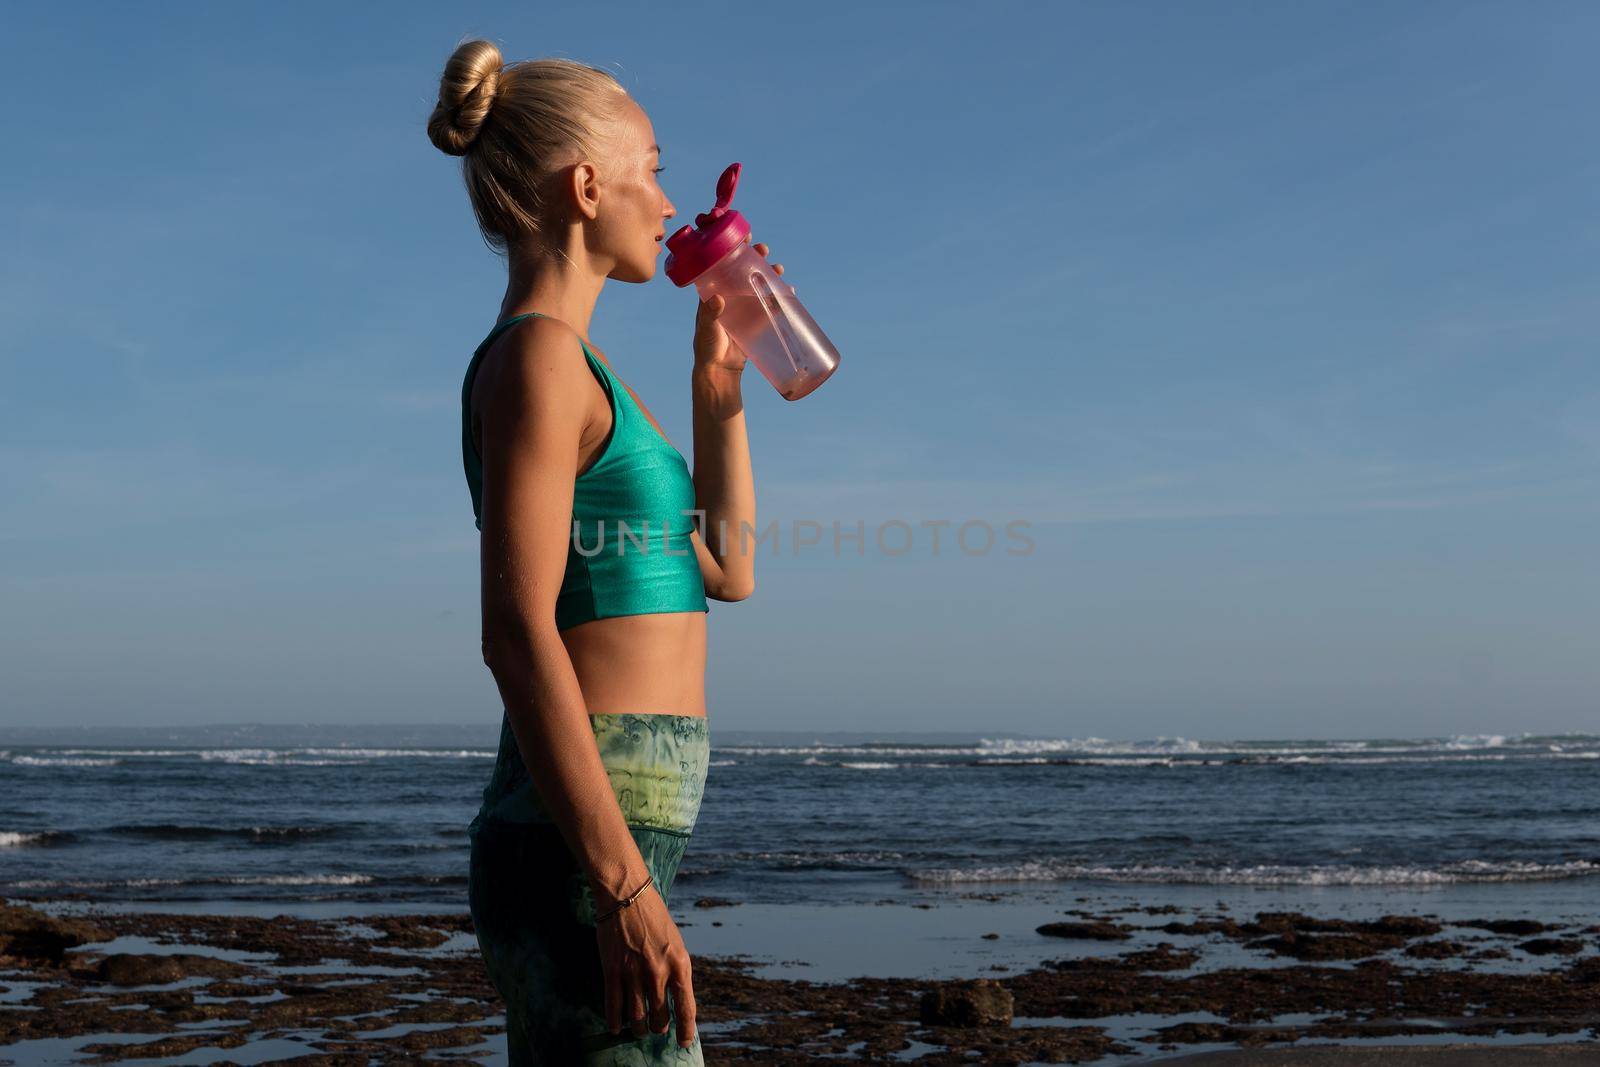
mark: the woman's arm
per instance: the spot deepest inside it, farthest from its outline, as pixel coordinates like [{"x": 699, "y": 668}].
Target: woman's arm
[
  {"x": 724, "y": 487},
  {"x": 533, "y": 420}
]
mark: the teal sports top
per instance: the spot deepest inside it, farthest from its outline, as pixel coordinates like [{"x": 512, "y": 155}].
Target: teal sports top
[{"x": 632, "y": 512}]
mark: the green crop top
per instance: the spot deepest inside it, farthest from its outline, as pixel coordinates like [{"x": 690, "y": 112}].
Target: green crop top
[{"x": 632, "y": 511}]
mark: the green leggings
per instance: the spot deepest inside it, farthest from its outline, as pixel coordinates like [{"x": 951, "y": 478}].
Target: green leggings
[{"x": 532, "y": 906}]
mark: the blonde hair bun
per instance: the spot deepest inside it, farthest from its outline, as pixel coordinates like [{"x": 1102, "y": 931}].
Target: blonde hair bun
[
  {"x": 466, "y": 92},
  {"x": 546, "y": 115}
]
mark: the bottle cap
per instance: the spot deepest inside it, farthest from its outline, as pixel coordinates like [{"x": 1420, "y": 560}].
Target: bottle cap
[{"x": 692, "y": 250}]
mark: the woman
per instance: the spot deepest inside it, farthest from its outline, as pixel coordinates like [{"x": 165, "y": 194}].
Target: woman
[{"x": 594, "y": 575}]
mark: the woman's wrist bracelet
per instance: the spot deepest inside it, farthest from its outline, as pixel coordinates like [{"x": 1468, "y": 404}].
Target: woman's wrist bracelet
[{"x": 628, "y": 902}]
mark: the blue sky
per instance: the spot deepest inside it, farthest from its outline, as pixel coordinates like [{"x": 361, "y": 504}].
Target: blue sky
[{"x": 1276, "y": 322}]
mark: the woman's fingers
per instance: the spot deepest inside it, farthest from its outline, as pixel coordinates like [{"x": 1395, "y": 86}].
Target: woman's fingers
[
  {"x": 683, "y": 999},
  {"x": 760, "y": 246},
  {"x": 660, "y": 1015},
  {"x": 637, "y": 1015}
]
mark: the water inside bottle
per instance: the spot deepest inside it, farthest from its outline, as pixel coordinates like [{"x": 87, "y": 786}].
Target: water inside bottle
[{"x": 774, "y": 332}]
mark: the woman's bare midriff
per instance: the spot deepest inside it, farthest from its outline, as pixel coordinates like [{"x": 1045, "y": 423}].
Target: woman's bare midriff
[{"x": 643, "y": 664}]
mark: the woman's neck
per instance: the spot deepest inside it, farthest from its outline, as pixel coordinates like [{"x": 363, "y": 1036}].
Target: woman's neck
[{"x": 553, "y": 285}]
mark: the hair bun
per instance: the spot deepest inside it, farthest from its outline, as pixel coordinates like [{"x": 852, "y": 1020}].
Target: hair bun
[{"x": 466, "y": 92}]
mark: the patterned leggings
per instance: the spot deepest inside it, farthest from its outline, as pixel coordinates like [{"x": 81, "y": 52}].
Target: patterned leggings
[{"x": 532, "y": 906}]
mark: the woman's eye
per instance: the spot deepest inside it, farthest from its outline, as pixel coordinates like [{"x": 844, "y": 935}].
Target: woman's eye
[{"x": 658, "y": 170}]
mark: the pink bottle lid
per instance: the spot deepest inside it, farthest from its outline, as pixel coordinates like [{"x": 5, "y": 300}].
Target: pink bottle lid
[{"x": 692, "y": 251}]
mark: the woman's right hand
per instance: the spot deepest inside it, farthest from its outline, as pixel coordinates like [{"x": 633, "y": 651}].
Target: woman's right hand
[{"x": 642, "y": 954}]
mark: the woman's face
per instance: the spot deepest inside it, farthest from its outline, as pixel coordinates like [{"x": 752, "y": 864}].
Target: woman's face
[{"x": 635, "y": 207}]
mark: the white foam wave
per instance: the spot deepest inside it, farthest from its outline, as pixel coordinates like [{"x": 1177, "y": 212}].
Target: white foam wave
[
  {"x": 269, "y": 757},
  {"x": 297, "y": 762},
  {"x": 124, "y": 751},
  {"x": 87, "y": 883},
  {"x": 1542, "y": 745},
  {"x": 1101, "y": 761},
  {"x": 1462, "y": 757},
  {"x": 331, "y": 757},
  {"x": 846, "y": 858},
  {"x": 722, "y": 763},
  {"x": 299, "y": 879},
  {"x": 1014, "y": 761},
  {"x": 1092, "y": 745},
  {"x": 243, "y": 879},
  {"x": 13, "y": 838},
  {"x": 1263, "y": 874},
  {"x": 233, "y": 755},
  {"x": 1263, "y": 758},
  {"x": 236, "y": 755},
  {"x": 1494, "y": 757},
  {"x": 1476, "y": 741},
  {"x": 866, "y": 765},
  {"x": 406, "y": 753},
  {"x": 50, "y": 761}
]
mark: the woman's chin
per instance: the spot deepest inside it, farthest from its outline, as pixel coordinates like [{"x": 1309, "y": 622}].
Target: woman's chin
[{"x": 633, "y": 272}]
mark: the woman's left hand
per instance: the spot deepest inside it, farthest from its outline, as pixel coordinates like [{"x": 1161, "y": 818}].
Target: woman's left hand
[{"x": 712, "y": 349}]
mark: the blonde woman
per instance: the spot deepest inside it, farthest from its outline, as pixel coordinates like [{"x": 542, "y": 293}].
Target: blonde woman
[{"x": 594, "y": 574}]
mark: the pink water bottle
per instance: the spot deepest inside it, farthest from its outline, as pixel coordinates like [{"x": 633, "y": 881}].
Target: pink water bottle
[{"x": 762, "y": 315}]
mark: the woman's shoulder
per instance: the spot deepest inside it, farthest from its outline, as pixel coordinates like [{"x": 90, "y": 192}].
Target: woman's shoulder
[{"x": 537, "y": 361}]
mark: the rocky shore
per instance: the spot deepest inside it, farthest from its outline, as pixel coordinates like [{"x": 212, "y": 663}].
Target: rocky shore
[{"x": 104, "y": 987}]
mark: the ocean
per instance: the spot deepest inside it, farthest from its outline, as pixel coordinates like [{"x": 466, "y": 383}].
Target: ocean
[{"x": 377, "y": 816}]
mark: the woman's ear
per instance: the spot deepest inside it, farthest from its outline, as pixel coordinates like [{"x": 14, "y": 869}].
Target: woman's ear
[{"x": 584, "y": 184}]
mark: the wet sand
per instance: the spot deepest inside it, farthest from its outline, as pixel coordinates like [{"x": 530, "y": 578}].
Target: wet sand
[
  {"x": 1110, "y": 986},
  {"x": 1399, "y": 1056}
]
